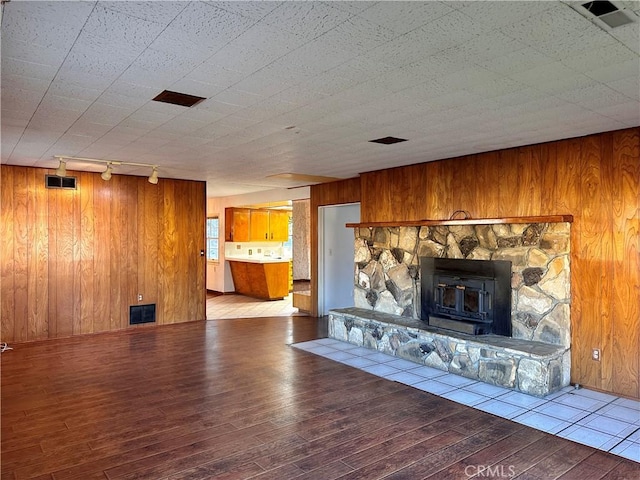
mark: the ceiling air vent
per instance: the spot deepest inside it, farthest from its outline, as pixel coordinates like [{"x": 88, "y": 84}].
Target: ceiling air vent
[
  {"x": 388, "y": 140},
  {"x": 53, "y": 181},
  {"x": 176, "y": 98},
  {"x": 607, "y": 13}
]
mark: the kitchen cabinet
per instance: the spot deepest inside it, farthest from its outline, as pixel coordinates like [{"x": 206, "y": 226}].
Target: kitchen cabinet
[
  {"x": 278, "y": 225},
  {"x": 256, "y": 225},
  {"x": 236, "y": 224},
  {"x": 259, "y": 226},
  {"x": 260, "y": 279}
]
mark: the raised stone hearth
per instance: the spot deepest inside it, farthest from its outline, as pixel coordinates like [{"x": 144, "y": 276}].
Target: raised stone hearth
[{"x": 535, "y": 368}]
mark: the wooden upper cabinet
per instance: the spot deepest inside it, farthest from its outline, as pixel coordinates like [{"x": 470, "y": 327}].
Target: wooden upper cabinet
[
  {"x": 256, "y": 225},
  {"x": 236, "y": 224},
  {"x": 259, "y": 225},
  {"x": 278, "y": 225}
]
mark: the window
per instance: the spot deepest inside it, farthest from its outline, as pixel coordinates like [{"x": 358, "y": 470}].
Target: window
[{"x": 213, "y": 229}]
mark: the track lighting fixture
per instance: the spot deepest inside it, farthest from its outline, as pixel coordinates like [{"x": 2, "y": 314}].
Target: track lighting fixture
[
  {"x": 153, "y": 178},
  {"x": 106, "y": 175},
  {"x": 61, "y": 171}
]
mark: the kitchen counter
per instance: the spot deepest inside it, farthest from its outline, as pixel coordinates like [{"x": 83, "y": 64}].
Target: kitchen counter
[
  {"x": 260, "y": 277},
  {"x": 253, "y": 259}
]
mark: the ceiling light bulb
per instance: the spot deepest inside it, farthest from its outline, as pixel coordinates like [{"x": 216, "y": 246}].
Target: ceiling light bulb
[
  {"x": 153, "y": 178},
  {"x": 106, "y": 175},
  {"x": 61, "y": 171}
]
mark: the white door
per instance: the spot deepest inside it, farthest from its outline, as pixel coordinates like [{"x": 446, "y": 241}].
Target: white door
[{"x": 335, "y": 256}]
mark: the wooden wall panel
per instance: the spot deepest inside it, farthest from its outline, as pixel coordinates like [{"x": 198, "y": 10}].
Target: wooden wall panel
[
  {"x": 625, "y": 269},
  {"x": 334, "y": 193},
  {"x": 87, "y": 252},
  {"x": 149, "y": 242},
  {"x": 589, "y": 252},
  {"x": 7, "y": 283},
  {"x": 168, "y": 248},
  {"x": 594, "y": 178},
  {"x": 21, "y": 256},
  {"x": 39, "y": 300},
  {"x": 73, "y": 261},
  {"x": 102, "y": 256}
]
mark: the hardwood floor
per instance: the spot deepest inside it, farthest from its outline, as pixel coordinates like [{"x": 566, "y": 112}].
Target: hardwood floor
[{"x": 231, "y": 400}]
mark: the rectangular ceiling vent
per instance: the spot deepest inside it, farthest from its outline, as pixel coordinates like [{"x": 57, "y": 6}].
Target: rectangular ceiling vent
[
  {"x": 176, "y": 98},
  {"x": 388, "y": 140},
  {"x": 54, "y": 181},
  {"x": 607, "y": 13}
]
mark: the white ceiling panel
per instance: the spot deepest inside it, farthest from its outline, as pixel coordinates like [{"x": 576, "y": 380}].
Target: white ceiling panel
[{"x": 303, "y": 86}]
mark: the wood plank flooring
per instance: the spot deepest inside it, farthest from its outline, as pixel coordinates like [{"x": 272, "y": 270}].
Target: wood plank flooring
[{"x": 230, "y": 399}]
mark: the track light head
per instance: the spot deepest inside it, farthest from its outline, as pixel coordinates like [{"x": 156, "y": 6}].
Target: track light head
[
  {"x": 153, "y": 178},
  {"x": 106, "y": 175},
  {"x": 61, "y": 171}
]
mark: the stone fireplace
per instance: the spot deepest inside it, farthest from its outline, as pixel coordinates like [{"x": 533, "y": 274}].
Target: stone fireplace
[
  {"x": 387, "y": 270},
  {"x": 388, "y": 297}
]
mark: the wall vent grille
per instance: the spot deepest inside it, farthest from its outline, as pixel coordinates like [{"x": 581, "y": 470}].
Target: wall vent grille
[
  {"x": 53, "y": 181},
  {"x": 142, "y": 314}
]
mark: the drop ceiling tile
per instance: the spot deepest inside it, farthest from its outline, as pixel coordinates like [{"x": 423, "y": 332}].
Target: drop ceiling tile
[
  {"x": 192, "y": 87},
  {"x": 20, "y": 68},
  {"x": 309, "y": 20},
  {"x": 629, "y": 35},
  {"x": 216, "y": 75},
  {"x": 160, "y": 62},
  {"x": 468, "y": 77},
  {"x": 238, "y": 98},
  {"x": 33, "y": 86},
  {"x": 57, "y": 102},
  {"x": 159, "y": 80},
  {"x": 105, "y": 114},
  {"x": 120, "y": 28},
  {"x": 402, "y": 17},
  {"x": 207, "y": 25},
  {"x": 627, "y": 113},
  {"x": 600, "y": 58},
  {"x": 593, "y": 96},
  {"x": 151, "y": 11},
  {"x": 220, "y": 107},
  {"x": 515, "y": 62},
  {"x": 44, "y": 54},
  {"x": 629, "y": 86},
  {"x": 20, "y": 100},
  {"x": 559, "y": 32},
  {"x": 499, "y": 14},
  {"x": 613, "y": 73},
  {"x": 266, "y": 41},
  {"x": 36, "y": 31},
  {"x": 317, "y": 56},
  {"x": 252, "y": 10},
  {"x": 356, "y": 35},
  {"x": 241, "y": 59}
]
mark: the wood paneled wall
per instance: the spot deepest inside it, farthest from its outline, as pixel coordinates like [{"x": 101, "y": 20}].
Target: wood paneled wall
[
  {"x": 334, "y": 193},
  {"x": 73, "y": 261},
  {"x": 597, "y": 180}
]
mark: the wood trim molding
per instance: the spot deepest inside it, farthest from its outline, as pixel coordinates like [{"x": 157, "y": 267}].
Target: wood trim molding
[{"x": 467, "y": 221}]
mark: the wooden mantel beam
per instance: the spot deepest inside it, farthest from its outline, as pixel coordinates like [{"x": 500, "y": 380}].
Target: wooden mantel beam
[{"x": 466, "y": 221}]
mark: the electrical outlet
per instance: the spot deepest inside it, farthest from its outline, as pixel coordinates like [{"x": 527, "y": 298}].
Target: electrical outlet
[
  {"x": 595, "y": 354},
  {"x": 139, "y": 297}
]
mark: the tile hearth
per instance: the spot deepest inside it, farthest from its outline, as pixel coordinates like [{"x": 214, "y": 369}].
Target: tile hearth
[{"x": 597, "y": 419}]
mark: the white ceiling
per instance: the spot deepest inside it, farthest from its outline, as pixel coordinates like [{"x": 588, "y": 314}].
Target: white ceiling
[{"x": 452, "y": 77}]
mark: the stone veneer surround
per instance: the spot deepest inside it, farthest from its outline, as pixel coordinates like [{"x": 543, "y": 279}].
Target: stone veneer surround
[
  {"x": 536, "y": 360},
  {"x": 387, "y": 270}
]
